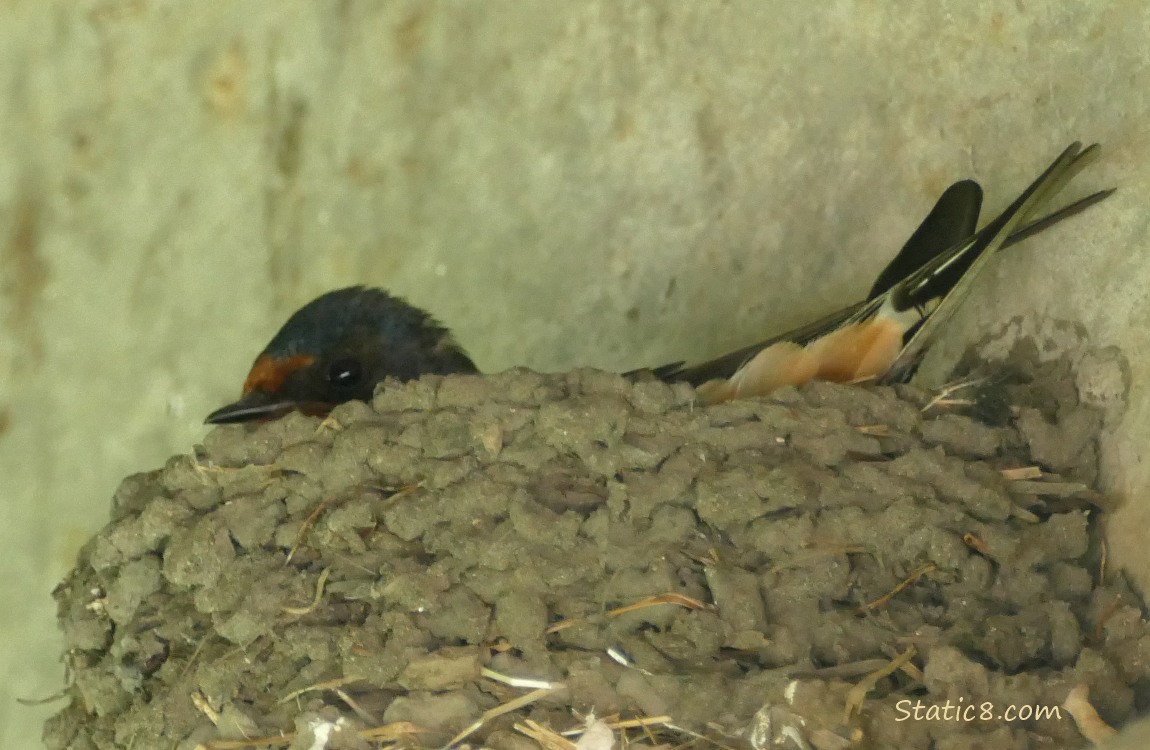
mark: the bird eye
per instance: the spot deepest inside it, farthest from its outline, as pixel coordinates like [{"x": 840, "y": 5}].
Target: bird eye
[{"x": 345, "y": 373}]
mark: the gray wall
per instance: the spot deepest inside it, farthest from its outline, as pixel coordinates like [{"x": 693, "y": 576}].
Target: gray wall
[{"x": 594, "y": 183}]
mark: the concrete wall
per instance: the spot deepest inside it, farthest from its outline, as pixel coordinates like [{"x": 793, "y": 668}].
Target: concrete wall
[{"x": 610, "y": 183}]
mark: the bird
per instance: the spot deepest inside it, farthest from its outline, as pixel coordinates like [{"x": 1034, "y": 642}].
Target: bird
[
  {"x": 337, "y": 348},
  {"x": 341, "y": 345}
]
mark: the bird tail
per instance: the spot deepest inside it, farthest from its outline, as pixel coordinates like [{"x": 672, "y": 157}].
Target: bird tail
[
  {"x": 930, "y": 275},
  {"x": 943, "y": 283}
]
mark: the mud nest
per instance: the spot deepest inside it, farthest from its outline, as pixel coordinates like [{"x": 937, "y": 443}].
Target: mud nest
[{"x": 827, "y": 563}]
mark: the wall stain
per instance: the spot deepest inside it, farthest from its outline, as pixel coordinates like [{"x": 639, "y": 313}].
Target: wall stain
[
  {"x": 286, "y": 134},
  {"x": 24, "y": 278},
  {"x": 117, "y": 11},
  {"x": 623, "y": 124},
  {"x": 287, "y": 140},
  {"x": 410, "y": 34},
  {"x": 226, "y": 88}
]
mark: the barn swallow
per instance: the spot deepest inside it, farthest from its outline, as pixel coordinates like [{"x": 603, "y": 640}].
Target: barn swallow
[
  {"x": 339, "y": 346},
  {"x": 336, "y": 348}
]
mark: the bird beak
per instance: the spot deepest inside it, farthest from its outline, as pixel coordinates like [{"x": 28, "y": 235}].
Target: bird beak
[{"x": 262, "y": 405}]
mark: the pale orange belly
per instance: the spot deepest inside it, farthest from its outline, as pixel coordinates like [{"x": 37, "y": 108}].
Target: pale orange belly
[{"x": 854, "y": 352}]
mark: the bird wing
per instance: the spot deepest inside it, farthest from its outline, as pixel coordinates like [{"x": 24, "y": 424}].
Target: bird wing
[{"x": 931, "y": 274}]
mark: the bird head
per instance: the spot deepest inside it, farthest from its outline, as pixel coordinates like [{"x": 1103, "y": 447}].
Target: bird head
[{"x": 337, "y": 348}]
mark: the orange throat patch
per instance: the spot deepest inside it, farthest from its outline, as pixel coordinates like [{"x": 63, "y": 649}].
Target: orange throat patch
[{"x": 268, "y": 373}]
